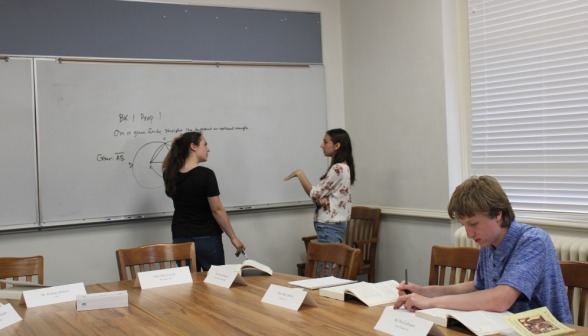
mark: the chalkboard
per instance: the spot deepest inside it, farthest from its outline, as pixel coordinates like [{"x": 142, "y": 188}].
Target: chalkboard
[
  {"x": 104, "y": 129},
  {"x": 18, "y": 194}
]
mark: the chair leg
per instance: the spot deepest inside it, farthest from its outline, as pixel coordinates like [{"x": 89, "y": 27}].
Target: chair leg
[
  {"x": 301, "y": 268},
  {"x": 372, "y": 275}
]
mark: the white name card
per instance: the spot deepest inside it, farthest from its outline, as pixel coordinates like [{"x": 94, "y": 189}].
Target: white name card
[
  {"x": 291, "y": 298},
  {"x": 102, "y": 300},
  {"x": 223, "y": 277},
  {"x": 399, "y": 323},
  {"x": 164, "y": 277},
  {"x": 52, "y": 295},
  {"x": 8, "y": 316}
]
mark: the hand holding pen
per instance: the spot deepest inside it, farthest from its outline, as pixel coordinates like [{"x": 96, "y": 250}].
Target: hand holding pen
[{"x": 406, "y": 281}]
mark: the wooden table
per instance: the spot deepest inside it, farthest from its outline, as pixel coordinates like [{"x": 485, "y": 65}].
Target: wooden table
[
  {"x": 203, "y": 309},
  {"x": 63, "y": 319}
]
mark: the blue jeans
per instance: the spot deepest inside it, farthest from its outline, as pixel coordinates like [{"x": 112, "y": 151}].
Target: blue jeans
[
  {"x": 329, "y": 233},
  {"x": 209, "y": 251}
]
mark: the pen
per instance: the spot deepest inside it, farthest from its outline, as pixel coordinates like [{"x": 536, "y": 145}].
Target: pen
[
  {"x": 406, "y": 281},
  {"x": 245, "y": 254}
]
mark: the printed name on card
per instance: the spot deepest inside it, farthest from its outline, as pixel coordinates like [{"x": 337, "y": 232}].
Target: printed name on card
[
  {"x": 399, "y": 323},
  {"x": 8, "y": 316},
  {"x": 224, "y": 277},
  {"x": 291, "y": 298},
  {"x": 52, "y": 295},
  {"x": 164, "y": 277}
]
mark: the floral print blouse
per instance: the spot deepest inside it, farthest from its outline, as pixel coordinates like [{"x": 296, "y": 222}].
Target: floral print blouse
[{"x": 336, "y": 185}]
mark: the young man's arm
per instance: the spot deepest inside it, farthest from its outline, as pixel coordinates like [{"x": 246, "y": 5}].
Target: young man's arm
[{"x": 497, "y": 299}]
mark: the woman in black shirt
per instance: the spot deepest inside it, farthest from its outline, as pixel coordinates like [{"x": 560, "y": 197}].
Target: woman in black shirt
[{"x": 199, "y": 215}]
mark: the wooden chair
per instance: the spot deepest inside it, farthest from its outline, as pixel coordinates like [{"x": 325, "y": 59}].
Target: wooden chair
[
  {"x": 462, "y": 258},
  {"x": 156, "y": 253},
  {"x": 17, "y": 267},
  {"x": 343, "y": 260},
  {"x": 575, "y": 275},
  {"x": 362, "y": 233}
]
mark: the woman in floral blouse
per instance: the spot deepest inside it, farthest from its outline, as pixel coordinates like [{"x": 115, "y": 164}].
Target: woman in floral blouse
[{"x": 332, "y": 195}]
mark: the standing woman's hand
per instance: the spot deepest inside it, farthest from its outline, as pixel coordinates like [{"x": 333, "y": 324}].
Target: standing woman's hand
[
  {"x": 324, "y": 202},
  {"x": 296, "y": 173},
  {"x": 303, "y": 180},
  {"x": 238, "y": 245},
  {"x": 177, "y": 138}
]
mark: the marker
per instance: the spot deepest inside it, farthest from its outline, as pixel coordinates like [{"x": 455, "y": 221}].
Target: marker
[
  {"x": 115, "y": 218},
  {"x": 246, "y": 208},
  {"x": 245, "y": 254},
  {"x": 406, "y": 281}
]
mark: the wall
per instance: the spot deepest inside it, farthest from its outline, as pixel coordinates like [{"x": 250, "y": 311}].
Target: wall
[
  {"x": 87, "y": 253},
  {"x": 393, "y": 67}
]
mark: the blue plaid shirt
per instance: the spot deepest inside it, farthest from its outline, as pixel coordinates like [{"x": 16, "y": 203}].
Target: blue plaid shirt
[{"x": 526, "y": 260}]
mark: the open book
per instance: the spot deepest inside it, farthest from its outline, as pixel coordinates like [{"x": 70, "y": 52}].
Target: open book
[
  {"x": 248, "y": 264},
  {"x": 320, "y": 282},
  {"x": 479, "y": 322},
  {"x": 15, "y": 292},
  {"x": 369, "y": 293}
]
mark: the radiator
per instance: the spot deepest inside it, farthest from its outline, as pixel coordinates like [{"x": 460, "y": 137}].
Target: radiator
[{"x": 568, "y": 248}]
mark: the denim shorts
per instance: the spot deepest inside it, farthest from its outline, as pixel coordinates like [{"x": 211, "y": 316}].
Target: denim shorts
[{"x": 209, "y": 251}]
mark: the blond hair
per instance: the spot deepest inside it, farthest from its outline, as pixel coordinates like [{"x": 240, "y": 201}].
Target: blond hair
[{"x": 480, "y": 195}]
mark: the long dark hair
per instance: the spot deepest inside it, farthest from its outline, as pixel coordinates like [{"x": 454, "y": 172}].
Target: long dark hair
[
  {"x": 178, "y": 154},
  {"x": 344, "y": 153}
]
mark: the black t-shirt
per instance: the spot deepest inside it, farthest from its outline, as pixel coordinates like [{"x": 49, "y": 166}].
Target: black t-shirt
[{"x": 192, "y": 215}]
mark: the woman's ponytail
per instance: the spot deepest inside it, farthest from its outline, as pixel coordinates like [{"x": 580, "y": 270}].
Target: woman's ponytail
[{"x": 178, "y": 154}]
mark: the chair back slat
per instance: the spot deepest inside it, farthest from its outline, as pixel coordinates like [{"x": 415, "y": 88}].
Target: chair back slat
[
  {"x": 442, "y": 276},
  {"x": 22, "y": 267},
  {"x": 457, "y": 258},
  {"x": 582, "y": 308},
  {"x": 343, "y": 260},
  {"x": 452, "y": 276},
  {"x": 152, "y": 254},
  {"x": 575, "y": 275}
]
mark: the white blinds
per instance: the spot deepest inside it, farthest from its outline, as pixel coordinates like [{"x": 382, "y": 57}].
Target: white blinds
[{"x": 529, "y": 77}]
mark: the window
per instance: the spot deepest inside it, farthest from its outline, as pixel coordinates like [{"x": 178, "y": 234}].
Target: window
[{"x": 529, "y": 97}]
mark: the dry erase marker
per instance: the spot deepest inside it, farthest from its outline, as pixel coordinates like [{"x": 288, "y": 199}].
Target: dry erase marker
[
  {"x": 245, "y": 254},
  {"x": 406, "y": 281}
]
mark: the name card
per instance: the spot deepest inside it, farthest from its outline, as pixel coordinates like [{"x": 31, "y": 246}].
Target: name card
[
  {"x": 224, "y": 277},
  {"x": 291, "y": 298},
  {"x": 8, "y": 316},
  {"x": 102, "y": 300},
  {"x": 164, "y": 277},
  {"x": 52, "y": 295},
  {"x": 403, "y": 323}
]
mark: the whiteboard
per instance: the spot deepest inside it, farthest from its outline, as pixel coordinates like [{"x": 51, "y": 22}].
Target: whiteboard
[
  {"x": 104, "y": 129},
  {"x": 18, "y": 194}
]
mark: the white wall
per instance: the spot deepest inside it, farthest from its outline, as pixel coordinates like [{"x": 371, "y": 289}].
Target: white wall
[
  {"x": 393, "y": 68},
  {"x": 274, "y": 237},
  {"x": 87, "y": 254}
]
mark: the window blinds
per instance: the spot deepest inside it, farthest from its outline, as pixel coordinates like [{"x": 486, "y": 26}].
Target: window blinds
[{"x": 529, "y": 90}]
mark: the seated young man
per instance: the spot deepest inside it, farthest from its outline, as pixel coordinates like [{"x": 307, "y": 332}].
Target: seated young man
[{"x": 518, "y": 268}]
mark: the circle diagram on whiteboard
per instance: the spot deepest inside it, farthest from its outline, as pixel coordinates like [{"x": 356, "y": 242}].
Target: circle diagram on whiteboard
[{"x": 147, "y": 164}]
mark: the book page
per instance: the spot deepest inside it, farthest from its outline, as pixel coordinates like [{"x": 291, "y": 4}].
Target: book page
[
  {"x": 375, "y": 294},
  {"x": 341, "y": 289},
  {"x": 320, "y": 282},
  {"x": 259, "y": 266},
  {"x": 22, "y": 283},
  {"x": 482, "y": 322}
]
